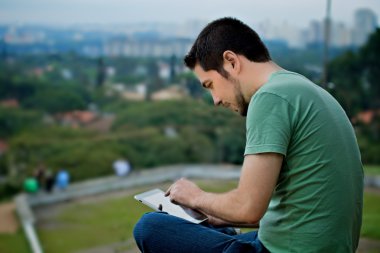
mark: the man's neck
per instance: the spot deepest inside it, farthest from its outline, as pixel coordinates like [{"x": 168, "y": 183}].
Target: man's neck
[{"x": 254, "y": 75}]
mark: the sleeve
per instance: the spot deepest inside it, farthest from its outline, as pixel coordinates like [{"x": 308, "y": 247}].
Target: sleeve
[{"x": 269, "y": 124}]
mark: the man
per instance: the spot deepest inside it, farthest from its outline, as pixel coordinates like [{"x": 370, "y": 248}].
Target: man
[{"x": 302, "y": 177}]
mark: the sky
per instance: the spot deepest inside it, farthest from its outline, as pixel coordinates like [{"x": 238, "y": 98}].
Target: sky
[{"x": 70, "y": 12}]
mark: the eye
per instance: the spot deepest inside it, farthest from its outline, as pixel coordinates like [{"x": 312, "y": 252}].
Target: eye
[{"x": 208, "y": 85}]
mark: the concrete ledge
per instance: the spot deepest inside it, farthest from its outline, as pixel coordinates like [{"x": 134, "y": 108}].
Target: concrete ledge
[
  {"x": 372, "y": 181},
  {"x": 27, "y": 221}
]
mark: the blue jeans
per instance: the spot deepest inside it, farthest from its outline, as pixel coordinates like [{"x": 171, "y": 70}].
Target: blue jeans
[{"x": 158, "y": 232}]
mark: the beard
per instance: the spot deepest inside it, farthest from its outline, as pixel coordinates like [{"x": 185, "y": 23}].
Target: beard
[{"x": 242, "y": 105}]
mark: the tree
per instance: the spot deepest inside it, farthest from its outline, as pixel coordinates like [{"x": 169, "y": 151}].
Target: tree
[
  {"x": 346, "y": 75},
  {"x": 13, "y": 121},
  {"x": 101, "y": 73},
  {"x": 56, "y": 100},
  {"x": 370, "y": 61},
  {"x": 356, "y": 76}
]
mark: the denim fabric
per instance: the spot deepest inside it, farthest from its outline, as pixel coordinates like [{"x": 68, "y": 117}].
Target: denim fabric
[{"x": 158, "y": 232}]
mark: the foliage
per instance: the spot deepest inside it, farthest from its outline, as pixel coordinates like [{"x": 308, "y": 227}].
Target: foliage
[
  {"x": 356, "y": 86},
  {"x": 370, "y": 59},
  {"x": 56, "y": 99},
  {"x": 346, "y": 74},
  {"x": 140, "y": 134},
  {"x": 14, "y": 121}
]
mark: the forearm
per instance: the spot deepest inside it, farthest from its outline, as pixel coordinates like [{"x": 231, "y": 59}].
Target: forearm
[
  {"x": 232, "y": 207},
  {"x": 244, "y": 205},
  {"x": 216, "y": 222}
]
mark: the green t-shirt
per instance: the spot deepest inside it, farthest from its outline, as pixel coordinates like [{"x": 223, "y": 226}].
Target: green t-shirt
[{"x": 317, "y": 203}]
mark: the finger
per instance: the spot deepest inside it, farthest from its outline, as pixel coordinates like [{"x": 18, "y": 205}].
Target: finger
[
  {"x": 173, "y": 201},
  {"x": 167, "y": 193}
]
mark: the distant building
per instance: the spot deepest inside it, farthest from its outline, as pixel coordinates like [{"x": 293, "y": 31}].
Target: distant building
[
  {"x": 365, "y": 23},
  {"x": 3, "y": 146},
  {"x": 85, "y": 119},
  {"x": 75, "y": 118},
  {"x": 163, "y": 70},
  {"x": 10, "y": 103},
  {"x": 174, "y": 92},
  {"x": 366, "y": 117},
  {"x": 147, "y": 48},
  {"x": 67, "y": 74},
  {"x": 340, "y": 35},
  {"x": 137, "y": 94}
]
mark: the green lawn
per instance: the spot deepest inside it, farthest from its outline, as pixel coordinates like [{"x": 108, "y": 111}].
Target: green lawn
[
  {"x": 85, "y": 225},
  {"x": 14, "y": 243},
  {"x": 81, "y": 226},
  {"x": 373, "y": 170},
  {"x": 371, "y": 216}
]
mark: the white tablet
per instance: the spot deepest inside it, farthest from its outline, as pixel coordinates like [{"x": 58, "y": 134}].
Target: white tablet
[{"x": 156, "y": 197}]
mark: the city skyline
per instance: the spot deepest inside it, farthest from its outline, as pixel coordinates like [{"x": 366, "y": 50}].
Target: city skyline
[{"x": 70, "y": 12}]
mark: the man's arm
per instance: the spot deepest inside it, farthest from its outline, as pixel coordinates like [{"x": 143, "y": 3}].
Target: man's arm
[
  {"x": 245, "y": 204},
  {"x": 216, "y": 222}
]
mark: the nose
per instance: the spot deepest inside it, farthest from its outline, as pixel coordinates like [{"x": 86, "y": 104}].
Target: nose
[{"x": 217, "y": 100}]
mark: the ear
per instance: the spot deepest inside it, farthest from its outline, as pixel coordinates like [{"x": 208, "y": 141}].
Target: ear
[{"x": 231, "y": 61}]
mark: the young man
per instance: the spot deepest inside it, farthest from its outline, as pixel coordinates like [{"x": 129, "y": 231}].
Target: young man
[{"x": 302, "y": 177}]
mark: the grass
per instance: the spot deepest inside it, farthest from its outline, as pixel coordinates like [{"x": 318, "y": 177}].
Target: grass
[
  {"x": 109, "y": 221},
  {"x": 371, "y": 216},
  {"x": 11, "y": 243},
  {"x": 85, "y": 225},
  {"x": 373, "y": 170}
]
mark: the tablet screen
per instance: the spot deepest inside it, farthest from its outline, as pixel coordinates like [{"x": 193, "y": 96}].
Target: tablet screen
[{"x": 156, "y": 197}]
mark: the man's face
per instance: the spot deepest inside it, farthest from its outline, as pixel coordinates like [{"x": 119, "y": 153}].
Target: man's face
[{"x": 224, "y": 91}]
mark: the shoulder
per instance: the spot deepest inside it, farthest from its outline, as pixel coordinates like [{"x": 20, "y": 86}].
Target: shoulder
[
  {"x": 285, "y": 82},
  {"x": 285, "y": 86}
]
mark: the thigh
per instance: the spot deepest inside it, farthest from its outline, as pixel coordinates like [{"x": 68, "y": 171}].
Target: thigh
[{"x": 163, "y": 233}]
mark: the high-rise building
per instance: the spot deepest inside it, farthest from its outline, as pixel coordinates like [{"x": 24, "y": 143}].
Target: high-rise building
[
  {"x": 340, "y": 35},
  {"x": 365, "y": 23},
  {"x": 315, "y": 33}
]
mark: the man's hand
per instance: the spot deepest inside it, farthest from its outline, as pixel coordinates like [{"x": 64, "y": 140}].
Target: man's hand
[{"x": 184, "y": 192}]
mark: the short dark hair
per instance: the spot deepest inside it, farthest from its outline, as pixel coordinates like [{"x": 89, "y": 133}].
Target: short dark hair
[{"x": 221, "y": 35}]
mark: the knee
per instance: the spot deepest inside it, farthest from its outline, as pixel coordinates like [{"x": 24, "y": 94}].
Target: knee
[{"x": 147, "y": 227}]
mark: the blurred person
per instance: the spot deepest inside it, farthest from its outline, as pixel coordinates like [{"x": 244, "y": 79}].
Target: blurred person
[
  {"x": 62, "y": 179},
  {"x": 301, "y": 181},
  {"x": 122, "y": 167},
  {"x": 50, "y": 181},
  {"x": 31, "y": 185},
  {"x": 39, "y": 175}
]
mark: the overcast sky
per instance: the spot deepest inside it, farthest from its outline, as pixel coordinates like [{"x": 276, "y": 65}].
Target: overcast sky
[{"x": 297, "y": 12}]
